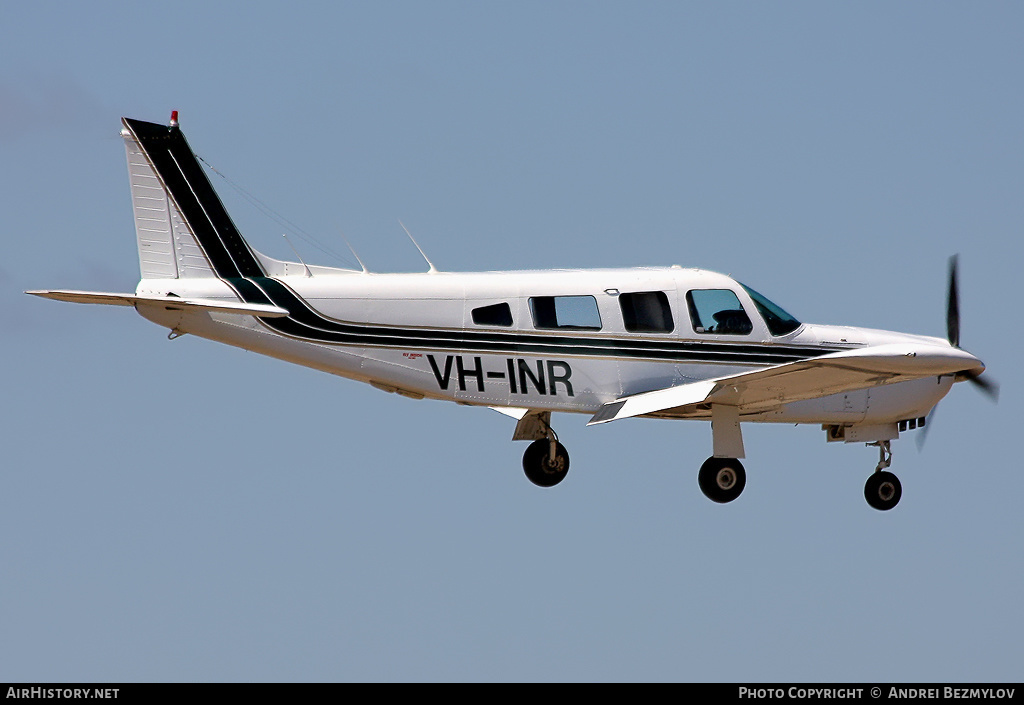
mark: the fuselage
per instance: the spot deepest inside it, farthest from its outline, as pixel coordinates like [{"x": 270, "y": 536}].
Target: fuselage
[{"x": 555, "y": 340}]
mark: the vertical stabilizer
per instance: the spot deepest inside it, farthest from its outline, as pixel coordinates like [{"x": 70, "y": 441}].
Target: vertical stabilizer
[
  {"x": 167, "y": 246},
  {"x": 183, "y": 228}
]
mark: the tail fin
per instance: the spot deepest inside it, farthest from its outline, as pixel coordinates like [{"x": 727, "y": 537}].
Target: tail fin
[{"x": 182, "y": 228}]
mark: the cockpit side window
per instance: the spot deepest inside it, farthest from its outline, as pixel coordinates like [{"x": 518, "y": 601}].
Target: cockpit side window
[
  {"x": 576, "y": 312},
  {"x": 493, "y": 315},
  {"x": 717, "y": 311},
  {"x": 778, "y": 321},
  {"x": 646, "y": 312}
]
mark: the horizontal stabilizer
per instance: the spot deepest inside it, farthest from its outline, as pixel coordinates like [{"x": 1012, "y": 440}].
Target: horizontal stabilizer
[
  {"x": 169, "y": 302},
  {"x": 760, "y": 390}
]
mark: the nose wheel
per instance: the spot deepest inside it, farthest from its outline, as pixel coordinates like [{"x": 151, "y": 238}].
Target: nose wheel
[{"x": 883, "y": 489}]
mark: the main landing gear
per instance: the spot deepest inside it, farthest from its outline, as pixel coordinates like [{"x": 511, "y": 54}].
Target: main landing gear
[
  {"x": 722, "y": 479},
  {"x": 545, "y": 461},
  {"x": 883, "y": 489}
]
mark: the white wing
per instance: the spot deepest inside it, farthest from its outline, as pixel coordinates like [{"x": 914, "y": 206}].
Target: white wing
[{"x": 834, "y": 373}]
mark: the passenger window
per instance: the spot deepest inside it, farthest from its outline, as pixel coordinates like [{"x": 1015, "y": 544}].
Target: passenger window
[
  {"x": 494, "y": 315},
  {"x": 646, "y": 312},
  {"x": 576, "y": 312},
  {"x": 717, "y": 311}
]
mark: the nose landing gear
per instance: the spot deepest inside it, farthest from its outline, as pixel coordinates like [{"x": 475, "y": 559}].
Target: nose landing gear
[{"x": 883, "y": 489}]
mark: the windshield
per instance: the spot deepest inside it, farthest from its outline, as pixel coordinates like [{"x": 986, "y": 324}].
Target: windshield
[{"x": 778, "y": 321}]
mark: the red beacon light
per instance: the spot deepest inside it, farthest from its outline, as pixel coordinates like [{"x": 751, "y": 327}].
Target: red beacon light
[{"x": 174, "y": 118}]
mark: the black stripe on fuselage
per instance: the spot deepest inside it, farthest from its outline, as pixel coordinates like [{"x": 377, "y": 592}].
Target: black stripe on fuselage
[
  {"x": 308, "y": 324},
  {"x": 235, "y": 263}
]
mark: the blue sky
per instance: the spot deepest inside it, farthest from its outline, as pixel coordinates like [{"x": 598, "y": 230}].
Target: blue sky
[{"x": 187, "y": 511}]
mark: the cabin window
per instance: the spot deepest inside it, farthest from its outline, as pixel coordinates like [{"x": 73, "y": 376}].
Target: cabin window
[
  {"x": 494, "y": 315},
  {"x": 646, "y": 312},
  {"x": 576, "y": 312},
  {"x": 778, "y": 321},
  {"x": 717, "y": 311}
]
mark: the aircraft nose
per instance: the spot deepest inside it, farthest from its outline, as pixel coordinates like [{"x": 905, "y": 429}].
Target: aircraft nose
[
  {"x": 976, "y": 366},
  {"x": 964, "y": 362},
  {"x": 945, "y": 359}
]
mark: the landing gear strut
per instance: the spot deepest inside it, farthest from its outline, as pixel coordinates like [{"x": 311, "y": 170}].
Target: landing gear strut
[
  {"x": 546, "y": 461},
  {"x": 883, "y": 489},
  {"x": 722, "y": 479}
]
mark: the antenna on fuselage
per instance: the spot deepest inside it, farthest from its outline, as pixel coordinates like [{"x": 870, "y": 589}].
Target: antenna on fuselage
[
  {"x": 285, "y": 236},
  {"x": 353, "y": 251},
  {"x": 433, "y": 269}
]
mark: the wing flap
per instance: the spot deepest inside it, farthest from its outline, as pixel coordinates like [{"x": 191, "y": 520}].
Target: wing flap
[
  {"x": 169, "y": 302},
  {"x": 650, "y": 402}
]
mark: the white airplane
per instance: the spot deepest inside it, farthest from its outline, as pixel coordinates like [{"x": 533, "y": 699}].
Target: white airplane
[{"x": 612, "y": 343}]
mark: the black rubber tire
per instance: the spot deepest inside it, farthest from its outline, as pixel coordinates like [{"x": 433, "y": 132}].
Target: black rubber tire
[
  {"x": 883, "y": 490},
  {"x": 722, "y": 479},
  {"x": 538, "y": 467}
]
